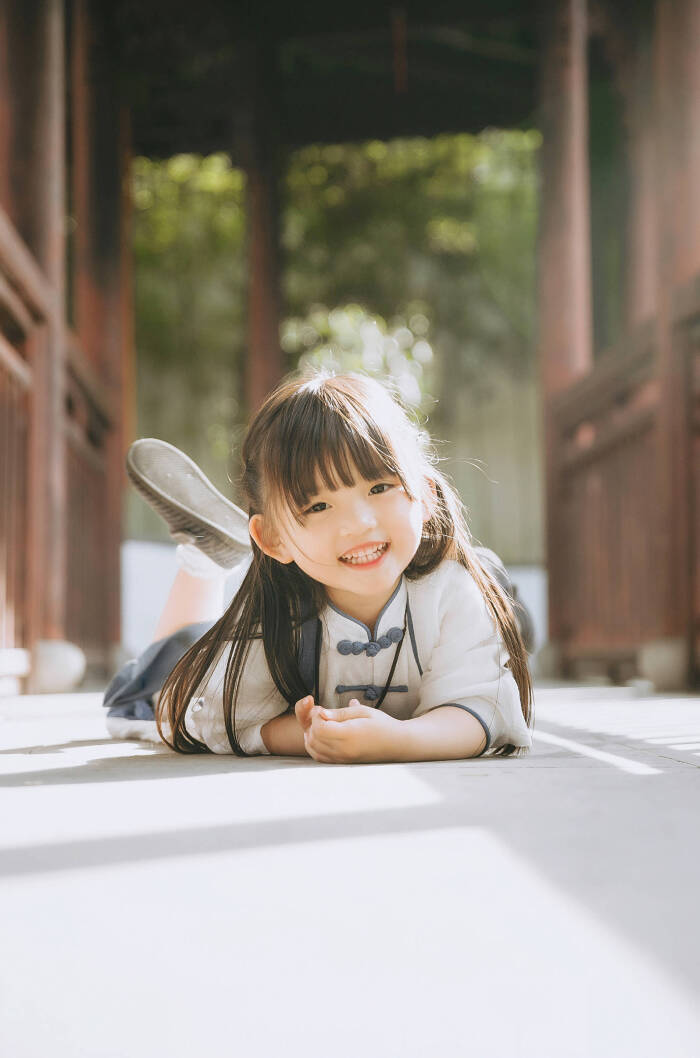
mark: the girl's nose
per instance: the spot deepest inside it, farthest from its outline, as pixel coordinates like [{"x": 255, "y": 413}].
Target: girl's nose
[{"x": 360, "y": 517}]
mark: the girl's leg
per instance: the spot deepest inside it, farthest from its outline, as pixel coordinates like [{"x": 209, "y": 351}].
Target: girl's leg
[
  {"x": 211, "y": 531},
  {"x": 191, "y": 599},
  {"x": 197, "y": 595}
]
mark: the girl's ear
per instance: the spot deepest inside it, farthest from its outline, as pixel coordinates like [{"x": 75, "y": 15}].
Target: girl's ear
[{"x": 272, "y": 547}]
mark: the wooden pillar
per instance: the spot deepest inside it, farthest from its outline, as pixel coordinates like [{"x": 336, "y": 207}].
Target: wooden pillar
[
  {"x": 565, "y": 318},
  {"x": 641, "y": 282},
  {"x": 258, "y": 147},
  {"x": 97, "y": 192},
  {"x": 37, "y": 182},
  {"x": 692, "y": 68},
  {"x": 565, "y": 324},
  {"x": 672, "y": 486},
  {"x": 102, "y": 304},
  {"x": 122, "y": 380},
  {"x": 126, "y": 288},
  {"x": 5, "y": 111},
  {"x": 84, "y": 315}
]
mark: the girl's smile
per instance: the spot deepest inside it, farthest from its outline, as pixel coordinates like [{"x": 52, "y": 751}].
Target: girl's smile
[{"x": 368, "y": 556}]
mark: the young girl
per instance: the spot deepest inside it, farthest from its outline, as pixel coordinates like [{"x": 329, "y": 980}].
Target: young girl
[{"x": 367, "y": 627}]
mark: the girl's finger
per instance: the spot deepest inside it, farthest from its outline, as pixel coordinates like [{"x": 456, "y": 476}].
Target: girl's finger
[
  {"x": 303, "y": 709},
  {"x": 333, "y": 743},
  {"x": 316, "y": 753},
  {"x": 321, "y": 726},
  {"x": 321, "y": 759},
  {"x": 323, "y": 737}
]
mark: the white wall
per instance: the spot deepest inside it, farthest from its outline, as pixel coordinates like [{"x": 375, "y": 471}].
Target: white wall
[
  {"x": 495, "y": 458},
  {"x": 147, "y": 573},
  {"x": 531, "y": 582}
]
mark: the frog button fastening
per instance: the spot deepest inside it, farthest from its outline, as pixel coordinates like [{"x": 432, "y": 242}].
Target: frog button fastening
[{"x": 372, "y": 646}]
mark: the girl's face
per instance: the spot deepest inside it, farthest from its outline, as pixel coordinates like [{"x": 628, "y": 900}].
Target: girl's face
[{"x": 355, "y": 540}]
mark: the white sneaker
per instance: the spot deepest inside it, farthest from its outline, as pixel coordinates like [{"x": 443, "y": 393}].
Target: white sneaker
[
  {"x": 127, "y": 727},
  {"x": 193, "y": 509}
]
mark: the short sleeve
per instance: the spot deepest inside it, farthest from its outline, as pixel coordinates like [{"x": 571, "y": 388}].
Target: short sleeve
[
  {"x": 468, "y": 664},
  {"x": 258, "y": 701}
]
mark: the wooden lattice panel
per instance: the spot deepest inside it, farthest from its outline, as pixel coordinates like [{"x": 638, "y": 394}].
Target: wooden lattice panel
[{"x": 608, "y": 522}]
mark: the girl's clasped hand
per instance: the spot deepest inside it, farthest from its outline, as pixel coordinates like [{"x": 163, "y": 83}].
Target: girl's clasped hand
[{"x": 355, "y": 734}]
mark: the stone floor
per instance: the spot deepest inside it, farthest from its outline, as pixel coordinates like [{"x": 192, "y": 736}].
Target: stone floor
[{"x": 163, "y": 905}]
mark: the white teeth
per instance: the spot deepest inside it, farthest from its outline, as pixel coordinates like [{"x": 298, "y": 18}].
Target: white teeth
[{"x": 365, "y": 556}]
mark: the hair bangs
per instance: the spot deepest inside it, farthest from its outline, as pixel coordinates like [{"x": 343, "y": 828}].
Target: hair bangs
[{"x": 326, "y": 440}]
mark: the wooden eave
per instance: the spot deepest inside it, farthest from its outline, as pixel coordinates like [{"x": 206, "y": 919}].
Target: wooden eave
[{"x": 469, "y": 66}]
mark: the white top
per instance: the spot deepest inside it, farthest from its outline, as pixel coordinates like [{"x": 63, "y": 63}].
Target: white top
[{"x": 453, "y": 657}]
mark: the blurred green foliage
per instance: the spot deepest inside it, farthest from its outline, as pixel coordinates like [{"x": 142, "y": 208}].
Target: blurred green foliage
[
  {"x": 414, "y": 257},
  {"x": 351, "y": 339}
]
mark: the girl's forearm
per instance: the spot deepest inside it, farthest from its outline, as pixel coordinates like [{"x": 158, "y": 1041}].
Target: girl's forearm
[
  {"x": 284, "y": 736},
  {"x": 445, "y": 733}
]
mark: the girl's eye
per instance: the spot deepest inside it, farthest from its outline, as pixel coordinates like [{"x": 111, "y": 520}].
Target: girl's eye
[{"x": 321, "y": 503}]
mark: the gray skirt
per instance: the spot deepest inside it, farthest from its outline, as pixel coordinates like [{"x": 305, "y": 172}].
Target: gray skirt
[{"x": 130, "y": 693}]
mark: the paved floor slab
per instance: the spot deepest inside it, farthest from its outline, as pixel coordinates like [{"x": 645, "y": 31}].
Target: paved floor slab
[{"x": 159, "y": 904}]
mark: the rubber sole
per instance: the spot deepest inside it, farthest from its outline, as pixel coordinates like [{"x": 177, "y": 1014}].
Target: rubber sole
[{"x": 192, "y": 508}]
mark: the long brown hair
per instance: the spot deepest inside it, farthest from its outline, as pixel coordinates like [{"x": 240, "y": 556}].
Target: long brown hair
[{"x": 325, "y": 426}]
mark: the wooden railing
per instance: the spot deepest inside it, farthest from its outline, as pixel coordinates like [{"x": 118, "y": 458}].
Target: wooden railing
[
  {"x": 88, "y": 419},
  {"x": 23, "y": 303},
  {"x": 87, "y": 424},
  {"x": 606, "y": 508}
]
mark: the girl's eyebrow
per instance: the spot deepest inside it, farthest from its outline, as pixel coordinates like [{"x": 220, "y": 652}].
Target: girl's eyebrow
[
  {"x": 320, "y": 493},
  {"x": 373, "y": 480}
]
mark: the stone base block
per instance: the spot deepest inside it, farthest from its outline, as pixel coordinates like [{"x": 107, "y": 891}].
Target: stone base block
[
  {"x": 56, "y": 667},
  {"x": 547, "y": 662},
  {"x": 14, "y": 667},
  {"x": 666, "y": 663}
]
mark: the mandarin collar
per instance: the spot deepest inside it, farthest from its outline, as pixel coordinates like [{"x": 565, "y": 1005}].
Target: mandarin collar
[{"x": 343, "y": 626}]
